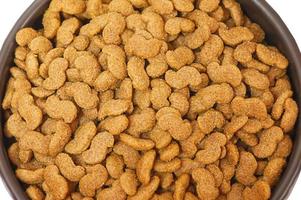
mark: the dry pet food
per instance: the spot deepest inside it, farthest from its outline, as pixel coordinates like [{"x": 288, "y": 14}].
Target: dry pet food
[{"x": 148, "y": 100}]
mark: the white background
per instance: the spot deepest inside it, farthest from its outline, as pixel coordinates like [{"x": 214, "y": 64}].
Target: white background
[{"x": 11, "y": 10}]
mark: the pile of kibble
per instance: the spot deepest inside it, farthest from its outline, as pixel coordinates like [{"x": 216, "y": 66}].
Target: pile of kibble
[{"x": 148, "y": 100}]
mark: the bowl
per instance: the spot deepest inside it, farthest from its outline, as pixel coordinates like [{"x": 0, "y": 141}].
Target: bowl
[{"x": 277, "y": 34}]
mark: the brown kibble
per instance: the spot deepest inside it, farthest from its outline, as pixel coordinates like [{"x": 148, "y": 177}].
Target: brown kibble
[
  {"x": 128, "y": 182},
  {"x": 25, "y": 36},
  {"x": 145, "y": 166},
  {"x": 246, "y": 169},
  {"x": 68, "y": 169},
  {"x": 205, "y": 184},
  {"x": 35, "y": 193},
  {"x": 259, "y": 191},
  {"x": 271, "y": 57},
  {"x": 236, "y": 35},
  {"x": 269, "y": 140}
]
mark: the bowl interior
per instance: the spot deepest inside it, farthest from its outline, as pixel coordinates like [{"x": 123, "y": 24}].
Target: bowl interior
[{"x": 259, "y": 11}]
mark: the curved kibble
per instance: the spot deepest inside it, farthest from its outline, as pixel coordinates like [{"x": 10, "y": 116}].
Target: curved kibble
[
  {"x": 83, "y": 95},
  {"x": 51, "y": 23},
  {"x": 210, "y": 120},
  {"x": 129, "y": 154},
  {"x": 60, "y": 109},
  {"x": 180, "y": 102},
  {"x": 82, "y": 139},
  {"x": 160, "y": 137},
  {"x": 61, "y": 136},
  {"x": 115, "y": 192},
  {"x": 209, "y": 5},
  {"x": 97, "y": 175},
  {"x": 159, "y": 93},
  {"x": 278, "y": 106},
  {"x": 177, "y": 128},
  {"x": 113, "y": 107},
  {"x": 186, "y": 76},
  {"x": 224, "y": 74},
  {"x": 122, "y": 6},
  {"x": 205, "y": 187},
  {"x": 137, "y": 73},
  {"x": 31, "y": 113},
  {"x": 68, "y": 168},
  {"x": 169, "y": 152},
  {"x": 35, "y": 192},
  {"x": 187, "y": 166},
  {"x": 236, "y": 191},
  {"x": 235, "y": 11},
  {"x": 73, "y": 7},
  {"x": 40, "y": 44},
  {"x": 55, "y": 184},
  {"x": 138, "y": 46},
  {"x": 197, "y": 38},
  {"x": 252, "y": 107},
  {"x": 211, "y": 50},
  {"x": 246, "y": 169},
  {"x": 201, "y": 18},
  {"x": 56, "y": 73},
  {"x": 189, "y": 146},
  {"x": 162, "y": 6},
  {"x": 284, "y": 148},
  {"x": 114, "y": 165},
  {"x": 98, "y": 148},
  {"x": 129, "y": 182},
  {"x": 255, "y": 79},
  {"x": 25, "y": 36},
  {"x": 169, "y": 166},
  {"x": 41, "y": 92},
  {"x": 116, "y": 58},
  {"x": 183, "y": 5},
  {"x": 212, "y": 148},
  {"x": 88, "y": 67},
  {"x": 141, "y": 122},
  {"x": 208, "y": 96},
  {"x": 260, "y": 190},
  {"x": 15, "y": 126},
  {"x": 146, "y": 191},
  {"x": 236, "y": 35},
  {"x": 30, "y": 176},
  {"x": 137, "y": 143},
  {"x": 115, "y": 125},
  {"x": 35, "y": 141},
  {"x": 236, "y": 123},
  {"x": 145, "y": 166},
  {"x": 154, "y": 24},
  {"x": 65, "y": 33},
  {"x": 243, "y": 52},
  {"x": 290, "y": 114},
  {"x": 181, "y": 185},
  {"x": 176, "y": 25},
  {"x": 179, "y": 57},
  {"x": 271, "y": 57},
  {"x": 157, "y": 66},
  {"x": 273, "y": 170},
  {"x": 268, "y": 142},
  {"x": 105, "y": 81}
]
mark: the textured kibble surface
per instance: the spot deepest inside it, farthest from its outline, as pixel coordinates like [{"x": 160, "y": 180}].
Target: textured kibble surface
[{"x": 148, "y": 100}]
